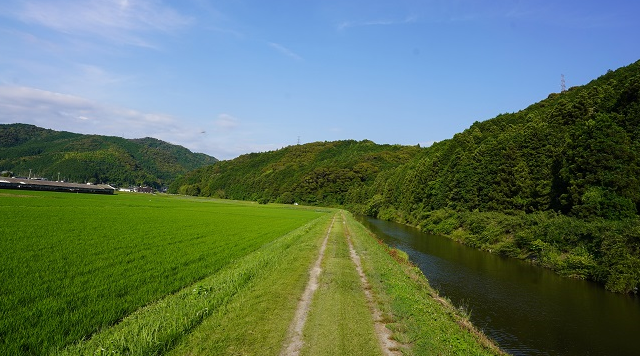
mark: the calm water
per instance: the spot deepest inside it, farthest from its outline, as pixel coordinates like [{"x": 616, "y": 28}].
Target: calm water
[{"x": 527, "y": 310}]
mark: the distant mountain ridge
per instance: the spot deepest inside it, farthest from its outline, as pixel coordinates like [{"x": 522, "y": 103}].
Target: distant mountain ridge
[
  {"x": 325, "y": 173},
  {"x": 82, "y": 158}
]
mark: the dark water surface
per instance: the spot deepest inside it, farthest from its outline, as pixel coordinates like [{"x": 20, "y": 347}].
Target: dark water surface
[{"x": 527, "y": 310}]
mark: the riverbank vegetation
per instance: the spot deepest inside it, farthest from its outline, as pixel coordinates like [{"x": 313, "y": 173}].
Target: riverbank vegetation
[
  {"x": 556, "y": 183},
  {"x": 606, "y": 251},
  {"x": 145, "y": 275}
]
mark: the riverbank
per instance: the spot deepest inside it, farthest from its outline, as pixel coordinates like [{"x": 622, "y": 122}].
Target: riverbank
[
  {"x": 604, "y": 251},
  {"x": 420, "y": 317},
  {"x": 339, "y": 322},
  {"x": 525, "y": 309}
]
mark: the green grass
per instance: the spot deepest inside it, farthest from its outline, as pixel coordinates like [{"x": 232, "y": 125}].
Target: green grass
[
  {"x": 74, "y": 264},
  {"x": 418, "y": 317},
  {"x": 148, "y": 275},
  {"x": 195, "y": 316},
  {"x": 339, "y": 321},
  {"x": 256, "y": 320}
]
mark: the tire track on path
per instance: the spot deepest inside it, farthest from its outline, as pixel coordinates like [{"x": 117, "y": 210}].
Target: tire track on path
[
  {"x": 389, "y": 346},
  {"x": 294, "y": 337}
]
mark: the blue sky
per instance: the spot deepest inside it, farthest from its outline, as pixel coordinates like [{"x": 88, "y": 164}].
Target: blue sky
[{"x": 231, "y": 77}]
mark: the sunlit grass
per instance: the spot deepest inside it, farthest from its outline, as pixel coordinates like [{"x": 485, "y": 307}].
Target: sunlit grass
[
  {"x": 340, "y": 322},
  {"x": 159, "y": 327},
  {"x": 256, "y": 320}
]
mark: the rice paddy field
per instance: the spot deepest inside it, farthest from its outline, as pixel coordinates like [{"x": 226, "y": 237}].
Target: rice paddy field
[
  {"x": 75, "y": 265},
  {"x": 141, "y": 274}
]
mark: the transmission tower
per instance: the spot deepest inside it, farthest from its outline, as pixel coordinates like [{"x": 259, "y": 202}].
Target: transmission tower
[
  {"x": 298, "y": 140},
  {"x": 563, "y": 85}
]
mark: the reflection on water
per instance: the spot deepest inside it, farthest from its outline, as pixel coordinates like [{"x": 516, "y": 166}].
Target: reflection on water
[{"x": 527, "y": 310}]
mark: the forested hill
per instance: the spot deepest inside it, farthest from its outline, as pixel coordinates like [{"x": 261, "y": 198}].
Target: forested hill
[
  {"x": 93, "y": 158},
  {"x": 325, "y": 173},
  {"x": 556, "y": 183},
  {"x": 577, "y": 153}
]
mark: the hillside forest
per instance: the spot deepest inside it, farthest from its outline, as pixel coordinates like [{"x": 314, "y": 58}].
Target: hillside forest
[
  {"x": 27, "y": 149},
  {"x": 556, "y": 184}
]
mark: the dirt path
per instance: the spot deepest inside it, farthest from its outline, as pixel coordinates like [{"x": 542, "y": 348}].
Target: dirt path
[
  {"x": 294, "y": 337},
  {"x": 389, "y": 346}
]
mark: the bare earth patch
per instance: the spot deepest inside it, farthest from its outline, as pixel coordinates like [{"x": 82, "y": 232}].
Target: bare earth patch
[{"x": 16, "y": 195}]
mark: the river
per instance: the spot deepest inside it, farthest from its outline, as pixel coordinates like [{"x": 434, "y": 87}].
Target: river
[{"x": 526, "y": 310}]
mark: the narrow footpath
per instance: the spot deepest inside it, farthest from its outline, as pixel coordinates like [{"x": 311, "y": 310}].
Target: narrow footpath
[
  {"x": 337, "y": 313},
  {"x": 300, "y": 318}
]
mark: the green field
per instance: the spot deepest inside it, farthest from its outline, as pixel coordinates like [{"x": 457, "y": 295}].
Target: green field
[
  {"x": 75, "y": 264},
  {"x": 135, "y": 274}
]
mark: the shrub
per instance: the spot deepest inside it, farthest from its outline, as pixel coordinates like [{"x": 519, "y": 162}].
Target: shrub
[{"x": 189, "y": 189}]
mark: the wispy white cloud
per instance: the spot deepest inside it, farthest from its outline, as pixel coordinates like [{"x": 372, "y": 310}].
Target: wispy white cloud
[
  {"x": 284, "y": 50},
  {"x": 73, "y": 113},
  {"x": 226, "y": 122},
  {"x": 97, "y": 75},
  {"x": 118, "y": 21},
  {"x": 223, "y": 138},
  {"x": 389, "y": 22}
]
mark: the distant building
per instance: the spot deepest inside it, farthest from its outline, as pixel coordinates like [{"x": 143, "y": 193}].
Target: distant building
[
  {"x": 33, "y": 184},
  {"x": 144, "y": 190}
]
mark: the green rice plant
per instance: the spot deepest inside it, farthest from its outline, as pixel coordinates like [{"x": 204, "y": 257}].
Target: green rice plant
[
  {"x": 73, "y": 264},
  {"x": 156, "y": 328}
]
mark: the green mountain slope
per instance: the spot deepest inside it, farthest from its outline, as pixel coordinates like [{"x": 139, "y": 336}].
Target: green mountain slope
[
  {"x": 577, "y": 153},
  {"x": 327, "y": 173},
  {"x": 93, "y": 158},
  {"x": 556, "y": 183}
]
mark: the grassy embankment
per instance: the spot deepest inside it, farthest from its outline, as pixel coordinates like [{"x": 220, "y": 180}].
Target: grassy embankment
[
  {"x": 418, "y": 317},
  {"x": 339, "y": 322},
  {"x": 242, "y": 305}
]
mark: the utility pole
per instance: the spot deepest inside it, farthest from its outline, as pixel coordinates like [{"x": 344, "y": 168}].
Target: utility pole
[{"x": 29, "y": 173}]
